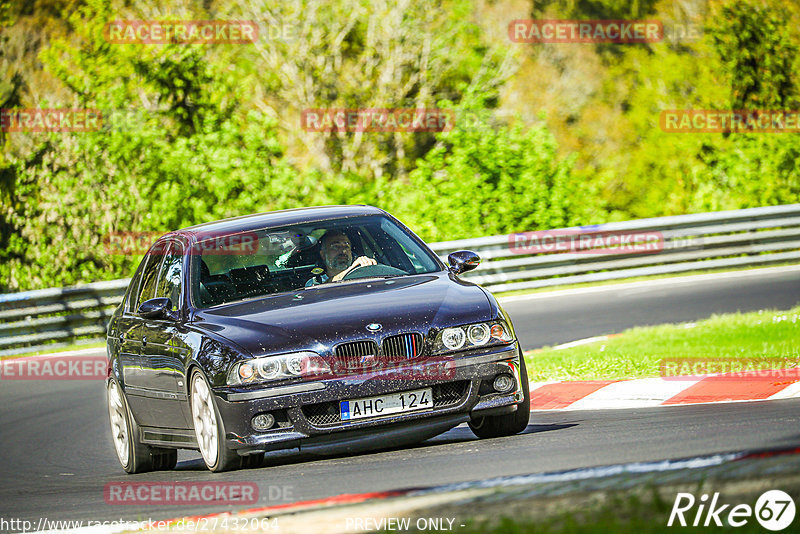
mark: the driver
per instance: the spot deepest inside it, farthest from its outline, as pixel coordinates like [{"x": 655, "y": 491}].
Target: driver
[{"x": 337, "y": 256}]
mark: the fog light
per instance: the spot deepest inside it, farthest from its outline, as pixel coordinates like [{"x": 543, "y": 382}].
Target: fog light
[
  {"x": 503, "y": 383},
  {"x": 263, "y": 421}
]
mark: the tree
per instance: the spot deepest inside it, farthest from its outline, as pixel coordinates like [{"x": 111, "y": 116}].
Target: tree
[
  {"x": 364, "y": 54},
  {"x": 176, "y": 148},
  {"x": 488, "y": 178},
  {"x": 758, "y": 55}
]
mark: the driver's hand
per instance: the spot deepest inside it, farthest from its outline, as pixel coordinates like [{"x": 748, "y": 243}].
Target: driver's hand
[{"x": 361, "y": 261}]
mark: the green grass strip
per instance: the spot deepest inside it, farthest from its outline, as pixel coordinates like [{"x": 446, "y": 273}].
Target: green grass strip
[{"x": 769, "y": 338}]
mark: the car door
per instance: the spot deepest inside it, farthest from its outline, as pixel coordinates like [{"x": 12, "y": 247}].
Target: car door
[
  {"x": 133, "y": 338},
  {"x": 162, "y": 363},
  {"x": 128, "y": 329}
]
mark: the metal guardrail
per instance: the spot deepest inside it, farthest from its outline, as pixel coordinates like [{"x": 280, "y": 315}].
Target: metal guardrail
[
  {"x": 716, "y": 240},
  {"x": 56, "y": 317}
]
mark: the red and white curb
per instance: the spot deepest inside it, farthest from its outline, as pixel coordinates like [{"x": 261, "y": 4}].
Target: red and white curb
[{"x": 648, "y": 392}]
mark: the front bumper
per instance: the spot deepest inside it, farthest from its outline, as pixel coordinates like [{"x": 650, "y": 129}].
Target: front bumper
[{"x": 308, "y": 412}]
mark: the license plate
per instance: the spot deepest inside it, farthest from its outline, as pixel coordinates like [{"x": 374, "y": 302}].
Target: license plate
[{"x": 407, "y": 401}]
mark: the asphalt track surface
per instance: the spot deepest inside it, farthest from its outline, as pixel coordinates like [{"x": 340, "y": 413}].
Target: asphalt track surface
[
  {"x": 559, "y": 317},
  {"x": 56, "y": 454}
]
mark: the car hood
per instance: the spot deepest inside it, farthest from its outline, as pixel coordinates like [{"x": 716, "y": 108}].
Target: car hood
[{"x": 319, "y": 318}]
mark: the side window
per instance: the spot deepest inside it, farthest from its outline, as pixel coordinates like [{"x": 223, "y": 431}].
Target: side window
[
  {"x": 130, "y": 296},
  {"x": 169, "y": 281},
  {"x": 155, "y": 258}
]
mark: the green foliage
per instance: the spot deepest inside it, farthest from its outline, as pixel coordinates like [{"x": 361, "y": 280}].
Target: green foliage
[
  {"x": 356, "y": 54},
  {"x": 594, "y": 9},
  {"x": 746, "y": 171},
  {"x": 185, "y": 160},
  {"x": 656, "y": 174},
  {"x": 754, "y": 340},
  {"x": 487, "y": 179},
  {"x": 757, "y": 53},
  {"x": 745, "y": 58},
  {"x": 182, "y": 143},
  {"x": 193, "y": 133},
  {"x": 5, "y": 13}
]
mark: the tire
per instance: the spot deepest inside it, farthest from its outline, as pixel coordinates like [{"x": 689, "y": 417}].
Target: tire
[
  {"x": 133, "y": 455},
  {"x": 496, "y": 426},
  {"x": 209, "y": 429}
]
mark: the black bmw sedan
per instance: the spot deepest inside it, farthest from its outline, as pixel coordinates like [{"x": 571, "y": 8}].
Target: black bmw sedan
[{"x": 328, "y": 330}]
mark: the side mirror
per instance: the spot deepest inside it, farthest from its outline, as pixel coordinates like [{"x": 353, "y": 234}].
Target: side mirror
[
  {"x": 155, "y": 308},
  {"x": 462, "y": 261}
]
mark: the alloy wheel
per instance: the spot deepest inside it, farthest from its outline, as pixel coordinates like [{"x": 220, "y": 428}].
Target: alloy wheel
[
  {"x": 204, "y": 416},
  {"x": 119, "y": 422}
]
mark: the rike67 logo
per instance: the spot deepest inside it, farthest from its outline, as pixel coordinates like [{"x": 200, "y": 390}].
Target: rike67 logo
[{"x": 774, "y": 510}]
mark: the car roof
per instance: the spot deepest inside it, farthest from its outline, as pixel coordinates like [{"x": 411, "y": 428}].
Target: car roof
[{"x": 280, "y": 218}]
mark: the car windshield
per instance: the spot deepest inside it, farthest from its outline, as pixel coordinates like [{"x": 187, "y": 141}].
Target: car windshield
[{"x": 232, "y": 267}]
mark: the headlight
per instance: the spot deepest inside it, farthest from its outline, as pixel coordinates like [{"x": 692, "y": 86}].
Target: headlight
[
  {"x": 472, "y": 335},
  {"x": 279, "y": 367},
  {"x": 453, "y": 338},
  {"x": 478, "y": 334},
  {"x": 268, "y": 368}
]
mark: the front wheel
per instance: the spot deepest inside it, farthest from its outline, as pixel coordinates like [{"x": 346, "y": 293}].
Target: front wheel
[
  {"x": 495, "y": 426},
  {"x": 209, "y": 429}
]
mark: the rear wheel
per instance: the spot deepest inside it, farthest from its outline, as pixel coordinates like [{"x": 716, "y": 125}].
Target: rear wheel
[
  {"x": 495, "y": 426},
  {"x": 209, "y": 429},
  {"x": 133, "y": 455}
]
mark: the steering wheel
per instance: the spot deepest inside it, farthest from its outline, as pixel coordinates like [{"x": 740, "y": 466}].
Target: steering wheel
[{"x": 366, "y": 271}]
